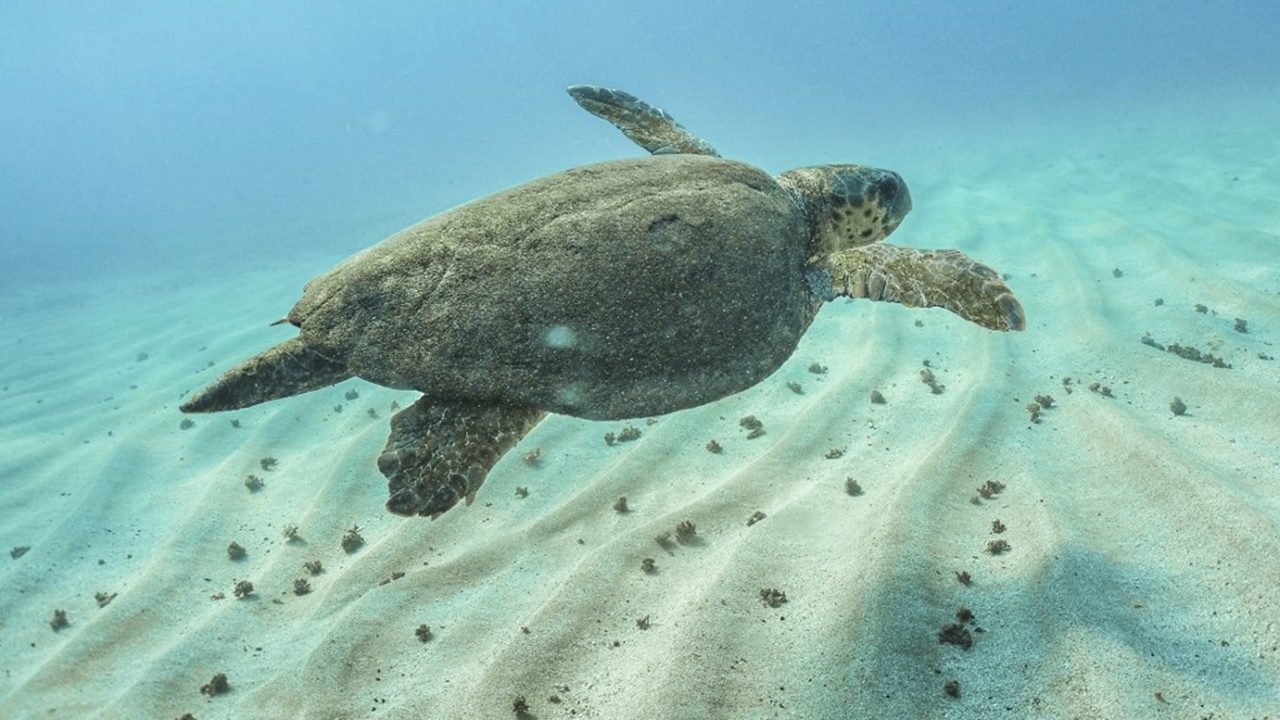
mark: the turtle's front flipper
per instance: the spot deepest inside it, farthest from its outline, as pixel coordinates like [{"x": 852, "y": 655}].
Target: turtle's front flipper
[
  {"x": 925, "y": 278},
  {"x": 290, "y": 368},
  {"x": 440, "y": 453},
  {"x": 646, "y": 125}
]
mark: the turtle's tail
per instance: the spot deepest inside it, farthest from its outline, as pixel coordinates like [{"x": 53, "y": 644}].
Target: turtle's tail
[{"x": 290, "y": 368}]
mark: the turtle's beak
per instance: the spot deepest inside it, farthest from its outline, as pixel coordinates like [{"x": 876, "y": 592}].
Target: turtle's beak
[{"x": 895, "y": 198}]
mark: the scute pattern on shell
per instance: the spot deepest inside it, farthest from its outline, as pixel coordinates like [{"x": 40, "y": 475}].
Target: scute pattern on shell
[{"x": 617, "y": 290}]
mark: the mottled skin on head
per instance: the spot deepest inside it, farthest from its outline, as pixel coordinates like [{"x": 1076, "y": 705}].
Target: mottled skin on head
[
  {"x": 623, "y": 289},
  {"x": 848, "y": 205}
]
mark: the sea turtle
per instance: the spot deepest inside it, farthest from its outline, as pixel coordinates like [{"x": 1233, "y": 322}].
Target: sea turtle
[{"x": 619, "y": 290}]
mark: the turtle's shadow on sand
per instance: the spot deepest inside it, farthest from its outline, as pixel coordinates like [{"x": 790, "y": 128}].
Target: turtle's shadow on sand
[{"x": 1076, "y": 595}]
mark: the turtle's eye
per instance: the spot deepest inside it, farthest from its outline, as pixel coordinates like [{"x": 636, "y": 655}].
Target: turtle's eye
[
  {"x": 893, "y": 195},
  {"x": 888, "y": 190}
]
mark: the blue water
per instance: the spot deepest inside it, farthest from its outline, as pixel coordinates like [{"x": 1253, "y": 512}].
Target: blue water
[{"x": 132, "y": 133}]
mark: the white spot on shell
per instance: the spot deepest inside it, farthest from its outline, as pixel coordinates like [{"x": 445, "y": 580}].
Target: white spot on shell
[
  {"x": 567, "y": 395},
  {"x": 561, "y": 337}
]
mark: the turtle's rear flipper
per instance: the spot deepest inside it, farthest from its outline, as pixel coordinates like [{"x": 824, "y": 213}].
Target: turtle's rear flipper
[
  {"x": 645, "y": 125},
  {"x": 290, "y": 368},
  {"x": 926, "y": 278},
  {"x": 440, "y": 453}
]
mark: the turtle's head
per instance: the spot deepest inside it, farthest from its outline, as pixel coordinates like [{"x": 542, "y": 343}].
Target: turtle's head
[{"x": 847, "y": 205}]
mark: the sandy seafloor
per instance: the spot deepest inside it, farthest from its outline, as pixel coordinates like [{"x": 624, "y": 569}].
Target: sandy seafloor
[{"x": 1142, "y": 579}]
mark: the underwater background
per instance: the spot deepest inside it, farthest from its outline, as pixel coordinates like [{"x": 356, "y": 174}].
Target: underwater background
[{"x": 172, "y": 174}]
